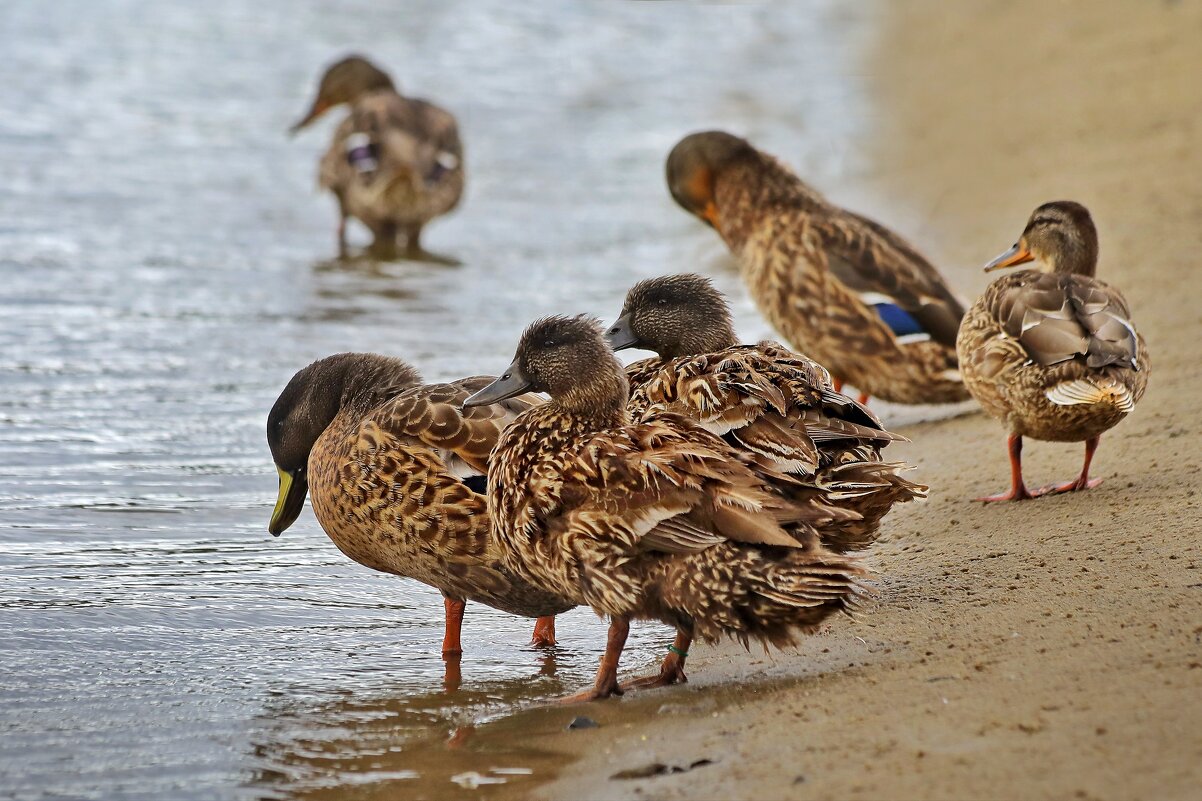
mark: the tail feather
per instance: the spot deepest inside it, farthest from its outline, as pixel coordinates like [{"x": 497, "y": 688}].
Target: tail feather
[{"x": 1090, "y": 391}]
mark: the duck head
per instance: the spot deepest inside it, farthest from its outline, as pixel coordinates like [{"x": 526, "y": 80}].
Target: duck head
[
  {"x": 344, "y": 82},
  {"x": 567, "y": 358},
  {"x": 1060, "y": 235},
  {"x": 695, "y": 164},
  {"x": 307, "y": 406},
  {"x": 674, "y": 315}
]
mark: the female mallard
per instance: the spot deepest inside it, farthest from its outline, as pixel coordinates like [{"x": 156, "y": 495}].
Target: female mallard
[
  {"x": 842, "y": 289},
  {"x": 762, "y": 399},
  {"x": 395, "y": 163},
  {"x": 657, "y": 519},
  {"x": 395, "y": 472},
  {"x": 1053, "y": 354}
]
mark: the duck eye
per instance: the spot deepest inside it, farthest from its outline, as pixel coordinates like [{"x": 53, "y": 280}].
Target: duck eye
[
  {"x": 549, "y": 343},
  {"x": 662, "y": 302}
]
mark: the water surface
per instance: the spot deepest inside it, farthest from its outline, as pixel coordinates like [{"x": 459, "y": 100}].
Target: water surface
[{"x": 166, "y": 268}]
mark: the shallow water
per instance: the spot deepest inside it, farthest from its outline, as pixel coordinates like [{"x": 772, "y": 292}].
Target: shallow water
[{"x": 166, "y": 268}]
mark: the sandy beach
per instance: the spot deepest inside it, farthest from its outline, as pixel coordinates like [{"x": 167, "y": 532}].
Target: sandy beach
[{"x": 1048, "y": 649}]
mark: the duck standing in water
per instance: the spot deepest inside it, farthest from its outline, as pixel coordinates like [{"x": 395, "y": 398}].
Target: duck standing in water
[
  {"x": 842, "y": 289},
  {"x": 395, "y": 472},
  {"x": 656, "y": 519},
  {"x": 762, "y": 399},
  {"x": 1053, "y": 353},
  {"x": 395, "y": 163}
]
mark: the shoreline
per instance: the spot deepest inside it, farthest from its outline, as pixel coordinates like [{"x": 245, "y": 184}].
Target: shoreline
[{"x": 1045, "y": 649}]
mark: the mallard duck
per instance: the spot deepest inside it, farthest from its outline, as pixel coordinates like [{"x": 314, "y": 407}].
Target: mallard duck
[
  {"x": 395, "y": 472},
  {"x": 1053, "y": 353},
  {"x": 657, "y": 519},
  {"x": 762, "y": 399},
  {"x": 840, "y": 288},
  {"x": 395, "y": 163}
]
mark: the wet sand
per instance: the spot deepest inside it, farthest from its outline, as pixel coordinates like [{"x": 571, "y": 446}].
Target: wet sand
[{"x": 1049, "y": 649}]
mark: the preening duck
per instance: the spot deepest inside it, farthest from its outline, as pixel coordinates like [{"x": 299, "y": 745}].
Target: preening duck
[
  {"x": 1052, "y": 352},
  {"x": 395, "y": 471},
  {"x": 762, "y": 399},
  {"x": 656, "y": 519},
  {"x": 840, "y": 288},
  {"x": 395, "y": 162}
]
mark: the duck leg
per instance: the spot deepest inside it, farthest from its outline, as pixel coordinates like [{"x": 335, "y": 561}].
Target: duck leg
[
  {"x": 1018, "y": 490},
  {"x": 454, "y": 622},
  {"x": 672, "y": 669},
  {"x": 863, "y": 398},
  {"x": 1083, "y": 481},
  {"x": 607, "y": 674},
  {"x": 544, "y": 632},
  {"x": 837, "y": 384},
  {"x": 342, "y": 218},
  {"x": 415, "y": 252}
]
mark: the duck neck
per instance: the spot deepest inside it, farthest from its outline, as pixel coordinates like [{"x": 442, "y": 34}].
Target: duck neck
[
  {"x": 361, "y": 382},
  {"x": 1076, "y": 258},
  {"x": 598, "y": 401},
  {"x": 752, "y": 190},
  {"x": 715, "y": 336}
]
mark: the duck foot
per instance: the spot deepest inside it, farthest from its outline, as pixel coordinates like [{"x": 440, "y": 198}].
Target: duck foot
[
  {"x": 1018, "y": 490},
  {"x": 1020, "y": 493},
  {"x": 607, "y": 673},
  {"x": 1076, "y": 485},
  {"x": 671, "y": 671},
  {"x": 1083, "y": 481},
  {"x": 544, "y": 632},
  {"x": 425, "y": 256}
]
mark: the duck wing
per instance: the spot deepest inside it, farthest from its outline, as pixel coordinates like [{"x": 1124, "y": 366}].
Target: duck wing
[{"x": 888, "y": 274}]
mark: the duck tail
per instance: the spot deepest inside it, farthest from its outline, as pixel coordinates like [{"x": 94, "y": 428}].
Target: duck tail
[
  {"x": 870, "y": 488},
  {"x": 1091, "y": 391},
  {"x": 771, "y": 595}
]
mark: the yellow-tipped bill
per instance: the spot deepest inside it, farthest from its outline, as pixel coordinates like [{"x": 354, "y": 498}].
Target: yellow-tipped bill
[
  {"x": 1015, "y": 255},
  {"x": 293, "y": 489}
]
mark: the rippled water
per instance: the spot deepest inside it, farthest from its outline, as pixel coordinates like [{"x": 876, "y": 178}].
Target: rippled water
[{"x": 165, "y": 264}]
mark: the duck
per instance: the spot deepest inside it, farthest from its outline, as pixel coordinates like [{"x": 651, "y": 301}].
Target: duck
[
  {"x": 843, "y": 289},
  {"x": 395, "y": 472},
  {"x": 395, "y": 162},
  {"x": 1052, "y": 351},
  {"x": 763, "y": 399},
  {"x": 655, "y": 519}
]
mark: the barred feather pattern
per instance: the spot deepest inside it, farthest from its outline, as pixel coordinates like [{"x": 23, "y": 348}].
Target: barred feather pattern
[
  {"x": 1054, "y": 357},
  {"x": 662, "y": 520},
  {"x": 388, "y": 488},
  {"x": 779, "y": 407},
  {"x": 807, "y": 264}
]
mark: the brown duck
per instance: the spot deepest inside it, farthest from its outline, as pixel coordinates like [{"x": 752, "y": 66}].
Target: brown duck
[
  {"x": 656, "y": 519},
  {"x": 395, "y": 163},
  {"x": 395, "y": 472},
  {"x": 762, "y": 399},
  {"x": 840, "y": 288},
  {"x": 1053, "y": 354}
]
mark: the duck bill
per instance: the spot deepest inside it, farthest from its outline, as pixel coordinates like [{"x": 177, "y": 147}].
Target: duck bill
[
  {"x": 319, "y": 107},
  {"x": 293, "y": 488},
  {"x": 620, "y": 336},
  {"x": 709, "y": 215},
  {"x": 1015, "y": 255},
  {"x": 512, "y": 382}
]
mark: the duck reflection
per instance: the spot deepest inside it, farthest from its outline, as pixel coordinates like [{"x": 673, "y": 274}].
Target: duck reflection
[{"x": 380, "y": 744}]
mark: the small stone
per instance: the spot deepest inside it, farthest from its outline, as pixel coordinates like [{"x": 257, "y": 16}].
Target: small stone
[{"x": 582, "y": 722}]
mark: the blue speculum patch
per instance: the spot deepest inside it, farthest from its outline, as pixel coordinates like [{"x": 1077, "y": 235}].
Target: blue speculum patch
[{"x": 900, "y": 321}]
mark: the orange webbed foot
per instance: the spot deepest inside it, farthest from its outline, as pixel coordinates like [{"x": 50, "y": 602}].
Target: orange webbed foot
[
  {"x": 1069, "y": 486},
  {"x": 671, "y": 672}
]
